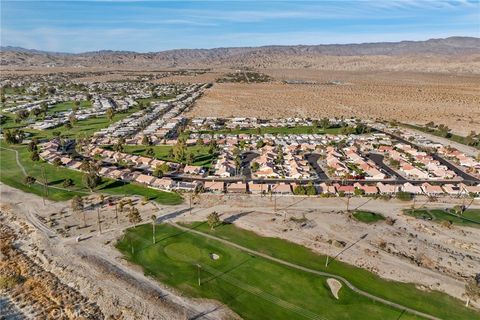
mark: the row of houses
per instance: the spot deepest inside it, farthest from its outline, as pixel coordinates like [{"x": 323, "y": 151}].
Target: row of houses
[
  {"x": 213, "y": 123},
  {"x": 350, "y": 190},
  {"x": 418, "y": 164}
]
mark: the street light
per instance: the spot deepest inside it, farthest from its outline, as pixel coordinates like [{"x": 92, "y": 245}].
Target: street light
[{"x": 361, "y": 238}]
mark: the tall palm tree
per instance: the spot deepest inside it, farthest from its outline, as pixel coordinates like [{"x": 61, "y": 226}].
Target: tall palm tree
[{"x": 154, "y": 219}]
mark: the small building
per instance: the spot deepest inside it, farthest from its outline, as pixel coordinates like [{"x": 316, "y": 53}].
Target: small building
[
  {"x": 214, "y": 186},
  {"x": 281, "y": 188},
  {"x": 257, "y": 188},
  {"x": 237, "y": 187}
]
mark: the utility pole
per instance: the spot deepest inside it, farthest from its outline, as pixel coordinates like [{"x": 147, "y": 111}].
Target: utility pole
[
  {"x": 275, "y": 203},
  {"x": 348, "y": 203},
  {"x": 98, "y": 221},
  {"x": 45, "y": 189},
  {"x": 116, "y": 212},
  {"x": 361, "y": 238}
]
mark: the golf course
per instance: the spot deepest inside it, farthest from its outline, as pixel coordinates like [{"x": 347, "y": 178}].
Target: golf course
[{"x": 238, "y": 268}]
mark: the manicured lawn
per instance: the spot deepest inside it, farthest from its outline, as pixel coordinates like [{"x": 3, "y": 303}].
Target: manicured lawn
[
  {"x": 12, "y": 175},
  {"x": 280, "y": 130},
  {"x": 201, "y": 156},
  {"x": 471, "y": 217},
  {"x": 367, "y": 216},
  {"x": 257, "y": 288},
  {"x": 67, "y": 106},
  {"x": 253, "y": 287},
  {"x": 80, "y": 128},
  {"x": 89, "y": 126}
]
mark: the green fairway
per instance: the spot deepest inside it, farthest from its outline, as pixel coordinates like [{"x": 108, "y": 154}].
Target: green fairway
[
  {"x": 470, "y": 217},
  {"x": 367, "y": 216},
  {"x": 83, "y": 128},
  {"x": 86, "y": 127},
  {"x": 279, "y": 130},
  {"x": 12, "y": 175},
  {"x": 68, "y": 106},
  {"x": 257, "y": 288},
  {"x": 201, "y": 157}
]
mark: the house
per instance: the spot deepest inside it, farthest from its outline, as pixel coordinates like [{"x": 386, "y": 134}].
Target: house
[
  {"x": 471, "y": 189},
  {"x": 410, "y": 188},
  {"x": 214, "y": 186},
  {"x": 349, "y": 190},
  {"x": 367, "y": 190},
  {"x": 281, "y": 188},
  {"x": 163, "y": 183},
  {"x": 143, "y": 178},
  {"x": 451, "y": 189},
  {"x": 75, "y": 165},
  {"x": 104, "y": 171},
  {"x": 326, "y": 189},
  {"x": 387, "y": 188},
  {"x": 237, "y": 187},
  {"x": 257, "y": 187},
  {"x": 194, "y": 170},
  {"x": 431, "y": 190},
  {"x": 187, "y": 186}
]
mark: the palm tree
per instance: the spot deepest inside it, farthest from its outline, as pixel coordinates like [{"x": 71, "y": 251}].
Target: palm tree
[{"x": 154, "y": 219}]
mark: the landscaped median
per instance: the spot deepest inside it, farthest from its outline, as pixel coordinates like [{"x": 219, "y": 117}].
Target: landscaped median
[
  {"x": 259, "y": 288},
  {"x": 13, "y": 175}
]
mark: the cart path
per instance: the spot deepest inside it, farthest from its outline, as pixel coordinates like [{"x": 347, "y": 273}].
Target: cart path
[{"x": 320, "y": 273}]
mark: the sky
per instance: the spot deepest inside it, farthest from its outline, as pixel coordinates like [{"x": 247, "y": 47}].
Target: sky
[{"x": 147, "y": 26}]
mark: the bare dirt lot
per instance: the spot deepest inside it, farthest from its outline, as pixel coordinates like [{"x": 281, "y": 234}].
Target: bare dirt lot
[{"x": 418, "y": 98}]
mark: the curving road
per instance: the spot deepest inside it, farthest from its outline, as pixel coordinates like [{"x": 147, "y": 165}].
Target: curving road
[{"x": 320, "y": 273}]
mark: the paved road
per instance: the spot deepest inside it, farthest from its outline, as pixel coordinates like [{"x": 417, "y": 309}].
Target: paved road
[
  {"x": 320, "y": 273},
  {"x": 378, "y": 159},
  {"x": 435, "y": 156}
]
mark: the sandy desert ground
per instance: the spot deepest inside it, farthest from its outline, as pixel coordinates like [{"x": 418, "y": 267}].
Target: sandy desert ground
[{"x": 453, "y": 100}]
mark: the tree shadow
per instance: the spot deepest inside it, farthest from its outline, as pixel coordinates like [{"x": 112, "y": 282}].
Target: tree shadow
[
  {"x": 235, "y": 217},
  {"x": 113, "y": 184}
]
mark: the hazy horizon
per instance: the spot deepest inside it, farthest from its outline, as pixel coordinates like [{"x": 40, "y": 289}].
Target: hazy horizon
[{"x": 151, "y": 26}]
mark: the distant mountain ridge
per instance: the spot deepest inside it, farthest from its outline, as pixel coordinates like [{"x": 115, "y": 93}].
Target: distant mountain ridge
[{"x": 257, "y": 57}]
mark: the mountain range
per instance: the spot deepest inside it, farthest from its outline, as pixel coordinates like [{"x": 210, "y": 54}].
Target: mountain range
[{"x": 461, "y": 49}]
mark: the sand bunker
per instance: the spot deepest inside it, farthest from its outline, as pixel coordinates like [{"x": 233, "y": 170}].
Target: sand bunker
[
  {"x": 335, "y": 286},
  {"x": 214, "y": 256}
]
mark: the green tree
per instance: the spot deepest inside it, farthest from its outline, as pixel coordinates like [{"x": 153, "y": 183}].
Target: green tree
[
  {"x": 150, "y": 152},
  {"x": 32, "y": 146},
  {"x": 77, "y": 206},
  {"x": 260, "y": 144},
  {"x": 34, "y": 156},
  {"x": 57, "y": 162},
  {"x": 300, "y": 190},
  {"x": 255, "y": 166},
  {"x": 91, "y": 180},
  {"x": 310, "y": 190},
  {"x": 67, "y": 183},
  {"x": 213, "y": 219},
  {"x": 110, "y": 113},
  {"x": 29, "y": 180},
  {"x": 134, "y": 216}
]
